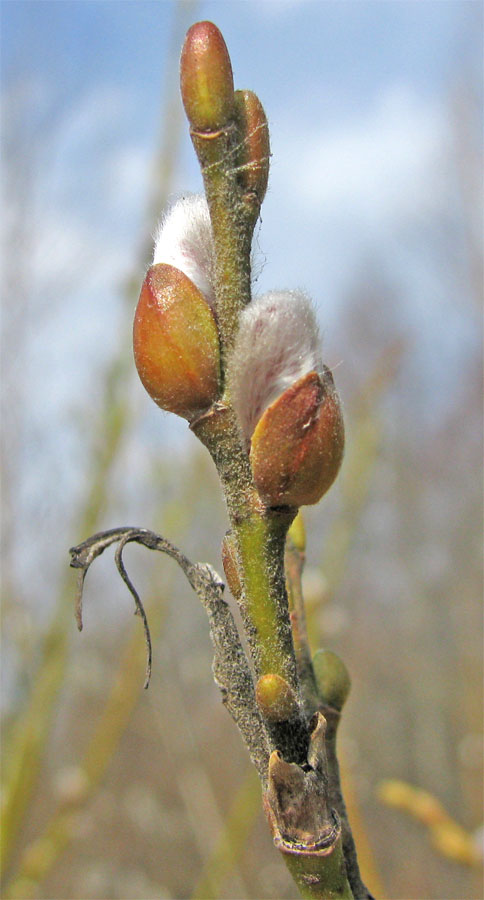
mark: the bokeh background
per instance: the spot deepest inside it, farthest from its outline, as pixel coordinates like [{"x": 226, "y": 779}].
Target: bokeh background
[{"x": 374, "y": 207}]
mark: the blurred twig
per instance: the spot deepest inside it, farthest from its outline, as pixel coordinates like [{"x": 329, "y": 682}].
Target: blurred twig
[
  {"x": 194, "y": 781},
  {"x": 25, "y": 745},
  {"x": 40, "y": 856},
  {"x": 360, "y": 460},
  {"x": 446, "y": 836},
  {"x": 232, "y": 841}
]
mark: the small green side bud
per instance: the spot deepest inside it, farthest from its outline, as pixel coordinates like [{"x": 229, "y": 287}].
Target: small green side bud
[
  {"x": 207, "y": 84},
  {"x": 254, "y": 150},
  {"x": 176, "y": 343},
  {"x": 229, "y": 560},
  {"x": 332, "y": 678},
  {"x": 276, "y": 698}
]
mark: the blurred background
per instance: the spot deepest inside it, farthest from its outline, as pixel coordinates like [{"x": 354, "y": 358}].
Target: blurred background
[{"x": 374, "y": 207}]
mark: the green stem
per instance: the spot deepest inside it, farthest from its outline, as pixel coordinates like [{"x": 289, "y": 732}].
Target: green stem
[
  {"x": 320, "y": 877},
  {"x": 260, "y": 535},
  {"x": 260, "y": 539},
  {"x": 232, "y": 231},
  {"x": 294, "y": 562},
  {"x": 335, "y": 797}
]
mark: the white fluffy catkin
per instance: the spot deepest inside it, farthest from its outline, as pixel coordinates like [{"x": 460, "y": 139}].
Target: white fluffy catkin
[
  {"x": 277, "y": 343},
  {"x": 184, "y": 240}
]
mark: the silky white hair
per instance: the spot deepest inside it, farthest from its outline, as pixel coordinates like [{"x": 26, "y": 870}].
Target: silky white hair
[
  {"x": 184, "y": 240},
  {"x": 277, "y": 343}
]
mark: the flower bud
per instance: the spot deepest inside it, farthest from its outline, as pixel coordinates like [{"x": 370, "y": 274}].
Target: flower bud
[
  {"x": 297, "y": 445},
  {"x": 276, "y": 698},
  {"x": 176, "y": 345},
  {"x": 207, "y": 84},
  {"x": 254, "y": 150},
  {"x": 332, "y": 678}
]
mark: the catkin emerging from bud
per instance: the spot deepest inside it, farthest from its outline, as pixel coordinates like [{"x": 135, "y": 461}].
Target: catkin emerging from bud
[
  {"x": 277, "y": 343},
  {"x": 286, "y": 403},
  {"x": 184, "y": 240}
]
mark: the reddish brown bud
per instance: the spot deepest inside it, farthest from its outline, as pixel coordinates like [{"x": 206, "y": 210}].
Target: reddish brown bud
[
  {"x": 254, "y": 151},
  {"x": 297, "y": 445},
  {"x": 229, "y": 559},
  {"x": 176, "y": 345},
  {"x": 276, "y": 698},
  {"x": 207, "y": 84}
]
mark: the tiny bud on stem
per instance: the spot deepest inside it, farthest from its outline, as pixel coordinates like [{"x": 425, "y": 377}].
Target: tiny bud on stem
[
  {"x": 254, "y": 151},
  {"x": 276, "y": 698}
]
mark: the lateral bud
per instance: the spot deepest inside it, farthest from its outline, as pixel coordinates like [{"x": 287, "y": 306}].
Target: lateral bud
[
  {"x": 176, "y": 343},
  {"x": 297, "y": 445},
  {"x": 254, "y": 149},
  {"x": 276, "y": 698},
  {"x": 207, "y": 84},
  {"x": 332, "y": 678}
]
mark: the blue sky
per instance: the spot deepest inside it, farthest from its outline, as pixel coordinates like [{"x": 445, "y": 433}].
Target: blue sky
[
  {"x": 353, "y": 44},
  {"x": 328, "y": 72},
  {"x": 357, "y": 95},
  {"x": 358, "y": 100}
]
